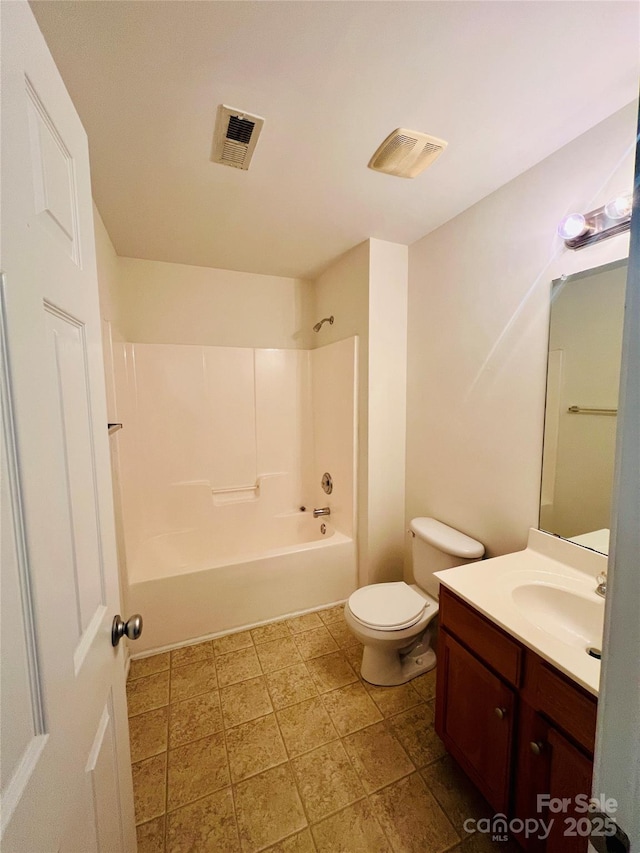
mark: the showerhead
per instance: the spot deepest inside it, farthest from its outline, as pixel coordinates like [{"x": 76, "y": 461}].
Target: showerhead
[{"x": 318, "y": 326}]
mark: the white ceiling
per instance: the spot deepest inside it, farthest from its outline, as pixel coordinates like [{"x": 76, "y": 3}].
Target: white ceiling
[{"x": 506, "y": 83}]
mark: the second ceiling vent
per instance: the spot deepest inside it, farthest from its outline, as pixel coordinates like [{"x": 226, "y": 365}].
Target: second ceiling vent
[
  {"x": 235, "y": 137},
  {"x": 406, "y": 153}
]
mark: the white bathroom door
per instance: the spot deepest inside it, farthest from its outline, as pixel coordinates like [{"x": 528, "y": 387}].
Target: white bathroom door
[{"x": 65, "y": 774}]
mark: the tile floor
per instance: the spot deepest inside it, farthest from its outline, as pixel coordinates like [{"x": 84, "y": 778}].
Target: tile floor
[{"x": 269, "y": 740}]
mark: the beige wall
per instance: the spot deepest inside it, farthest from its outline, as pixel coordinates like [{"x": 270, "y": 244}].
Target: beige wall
[
  {"x": 343, "y": 291},
  {"x": 108, "y": 283},
  {"x": 388, "y": 269},
  {"x": 162, "y": 303},
  {"x": 478, "y": 324},
  {"x": 366, "y": 291},
  {"x": 108, "y": 274}
]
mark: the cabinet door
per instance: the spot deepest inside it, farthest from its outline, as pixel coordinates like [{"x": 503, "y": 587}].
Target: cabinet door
[
  {"x": 551, "y": 771},
  {"x": 570, "y": 776},
  {"x": 474, "y": 718}
]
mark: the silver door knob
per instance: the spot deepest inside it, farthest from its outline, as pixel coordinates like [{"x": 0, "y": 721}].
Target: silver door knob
[{"x": 132, "y": 628}]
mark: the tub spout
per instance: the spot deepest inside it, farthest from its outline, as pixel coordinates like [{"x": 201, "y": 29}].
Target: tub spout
[{"x": 324, "y": 511}]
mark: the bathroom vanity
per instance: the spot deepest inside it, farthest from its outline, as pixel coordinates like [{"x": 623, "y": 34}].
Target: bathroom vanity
[{"x": 515, "y": 702}]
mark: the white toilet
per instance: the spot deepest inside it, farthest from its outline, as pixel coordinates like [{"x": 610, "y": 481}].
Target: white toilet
[{"x": 394, "y": 621}]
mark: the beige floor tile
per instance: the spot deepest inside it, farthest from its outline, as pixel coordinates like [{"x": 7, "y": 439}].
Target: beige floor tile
[
  {"x": 278, "y": 654},
  {"x": 289, "y": 686},
  {"x": 148, "y": 692},
  {"x": 151, "y": 836},
  {"x": 148, "y": 734},
  {"x": 331, "y": 671},
  {"x": 149, "y": 787},
  {"x": 299, "y": 843},
  {"x": 411, "y": 818},
  {"x": 326, "y": 780},
  {"x": 194, "y": 718},
  {"x": 333, "y": 614},
  {"x": 377, "y": 757},
  {"x": 455, "y": 793},
  {"x": 354, "y": 656},
  {"x": 191, "y": 654},
  {"x": 425, "y": 685},
  {"x": 147, "y": 666},
  {"x": 245, "y": 701},
  {"x": 414, "y": 729},
  {"x": 351, "y": 708},
  {"x": 254, "y": 747},
  {"x": 303, "y": 623},
  {"x": 197, "y": 769},
  {"x": 193, "y": 679},
  {"x": 268, "y": 808},
  {"x": 342, "y": 635},
  {"x": 232, "y": 643},
  {"x": 305, "y": 726},
  {"x": 392, "y": 700},
  {"x": 207, "y": 826},
  {"x": 266, "y": 633},
  {"x": 353, "y": 830},
  {"x": 238, "y": 666},
  {"x": 315, "y": 642}
]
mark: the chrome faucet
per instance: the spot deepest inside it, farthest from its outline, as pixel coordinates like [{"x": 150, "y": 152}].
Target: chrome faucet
[
  {"x": 324, "y": 511},
  {"x": 601, "y": 589}
]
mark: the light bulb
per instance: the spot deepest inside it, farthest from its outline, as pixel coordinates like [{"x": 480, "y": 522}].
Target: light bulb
[
  {"x": 619, "y": 207},
  {"x": 572, "y": 226}
]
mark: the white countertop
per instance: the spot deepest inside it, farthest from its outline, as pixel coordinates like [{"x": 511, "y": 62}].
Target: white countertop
[{"x": 543, "y": 596}]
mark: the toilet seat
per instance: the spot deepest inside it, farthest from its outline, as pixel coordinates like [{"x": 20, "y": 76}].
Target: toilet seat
[{"x": 387, "y": 606}]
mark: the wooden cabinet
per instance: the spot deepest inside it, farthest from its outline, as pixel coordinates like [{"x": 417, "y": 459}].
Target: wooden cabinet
[
  {"x": 519, "y": 728},
  {"x": 477, "y": 721}
]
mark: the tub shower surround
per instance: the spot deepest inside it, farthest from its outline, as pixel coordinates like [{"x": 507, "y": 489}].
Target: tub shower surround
[{"x": 221, "y": 449}]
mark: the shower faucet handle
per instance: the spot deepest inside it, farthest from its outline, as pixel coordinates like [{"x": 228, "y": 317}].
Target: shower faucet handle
[{"x": 325, "y": 510}]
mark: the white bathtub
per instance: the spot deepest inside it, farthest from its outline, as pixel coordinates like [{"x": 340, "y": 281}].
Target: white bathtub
[{"x": 184, "y": 592}]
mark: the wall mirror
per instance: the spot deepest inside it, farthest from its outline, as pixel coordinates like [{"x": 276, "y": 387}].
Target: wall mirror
[{"x": 583, "y": 377}]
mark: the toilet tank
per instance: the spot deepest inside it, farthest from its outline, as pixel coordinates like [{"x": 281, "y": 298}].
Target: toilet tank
[{"x": 436, "y": 546}]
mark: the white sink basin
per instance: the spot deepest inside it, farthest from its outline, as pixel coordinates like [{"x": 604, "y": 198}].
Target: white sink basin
[
  {"x": 545, "y": 597},
  {"x": 571, "y": 616}
]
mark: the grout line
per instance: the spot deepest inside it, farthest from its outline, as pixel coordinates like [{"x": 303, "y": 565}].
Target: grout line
[
  {"x": 166, "y": 790},
  {"x": 231, "y": 785}
]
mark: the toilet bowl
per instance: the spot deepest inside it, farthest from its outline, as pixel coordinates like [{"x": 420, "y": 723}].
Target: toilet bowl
[{"x": 395, "y": 622}]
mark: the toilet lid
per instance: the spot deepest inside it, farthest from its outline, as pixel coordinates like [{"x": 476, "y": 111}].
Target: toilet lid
[{"x": 387, "y": 606}]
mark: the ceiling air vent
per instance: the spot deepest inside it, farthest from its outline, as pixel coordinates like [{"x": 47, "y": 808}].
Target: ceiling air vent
[
  {"x": 235, "y": 137},
  {"x": 406, "y": 153}
]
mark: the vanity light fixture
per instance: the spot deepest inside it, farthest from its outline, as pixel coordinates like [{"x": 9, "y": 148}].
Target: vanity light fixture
[{"x": 578, "y": 230}]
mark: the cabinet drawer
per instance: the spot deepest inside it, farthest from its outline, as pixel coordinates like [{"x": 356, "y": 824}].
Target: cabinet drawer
[
  {"x": 563, "y": 702},
  {"x": 497, "y": 649}
]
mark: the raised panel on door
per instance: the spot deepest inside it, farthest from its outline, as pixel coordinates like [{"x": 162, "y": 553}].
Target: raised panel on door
[
  {"x": 23, "y": 733},
  {"x": 84, "y": 573},
  {"x": 476, "y": 720}
]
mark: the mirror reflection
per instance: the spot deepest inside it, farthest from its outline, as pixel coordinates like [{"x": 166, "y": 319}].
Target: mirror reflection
[{"x": 583, "y": 376}]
